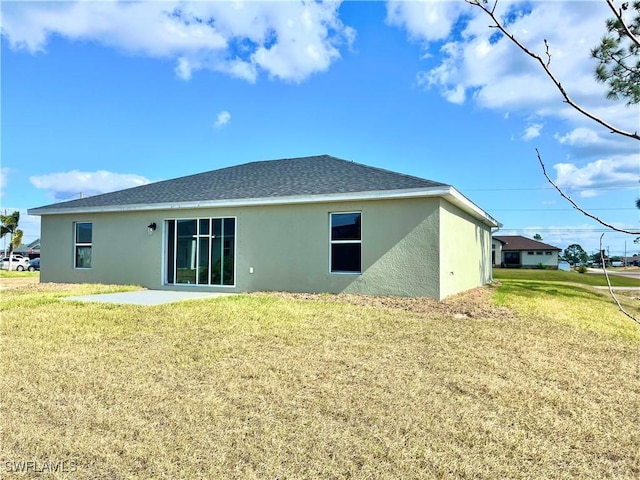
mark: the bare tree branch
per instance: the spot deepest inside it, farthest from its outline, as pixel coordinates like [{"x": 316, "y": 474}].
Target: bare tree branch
[
  {"x": 576, "y": 206},
  {"x": 613, "y": 295},
  {"x": 618, "y": 14},
  {"x": 491, "y": 12},
  {"x": 545, "y": 66}
]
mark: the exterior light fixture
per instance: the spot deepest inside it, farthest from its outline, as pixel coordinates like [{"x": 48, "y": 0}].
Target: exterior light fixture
[{"x": 151, "y": 227}]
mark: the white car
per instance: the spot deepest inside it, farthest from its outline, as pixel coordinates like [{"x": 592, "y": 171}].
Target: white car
[{"x": 18, "y": 263}]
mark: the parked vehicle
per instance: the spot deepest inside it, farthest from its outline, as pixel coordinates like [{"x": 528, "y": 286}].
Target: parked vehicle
[
  {"x": 34, "y": 265},
  {"x": 18, "y": 262}
]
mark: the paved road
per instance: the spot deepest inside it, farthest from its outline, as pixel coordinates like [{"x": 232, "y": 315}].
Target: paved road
[
  {"x": 620, "y": 289},
  {"x": 621, "y": 273}
]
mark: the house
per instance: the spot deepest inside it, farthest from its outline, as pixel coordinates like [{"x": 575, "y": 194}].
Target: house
[
  {"x": 515, "y": 251},
  {"x": 312, "y": 224},
  {"x": 32, "y": 250}
]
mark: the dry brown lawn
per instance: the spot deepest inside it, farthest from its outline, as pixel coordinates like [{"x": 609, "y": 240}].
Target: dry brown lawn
[{"x": 279, "y": 386}]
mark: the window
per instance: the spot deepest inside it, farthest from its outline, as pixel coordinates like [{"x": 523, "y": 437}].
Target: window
[
  {"x": 538, "y": 253},
  {"x": 346, "y": 242},
  {"x": 547, "y": 253},
  {"x": 83, "y": 238},
  {"x": 530, "y": 253},
  {"x": 512, "y": 258},
  {"x": 201, "y": 251}
]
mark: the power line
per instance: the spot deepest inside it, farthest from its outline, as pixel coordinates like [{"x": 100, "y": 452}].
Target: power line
[
  {"x": 555, "y": 209},
  {"x": 575, "y": 189},
  {"x": 563, "y": 229}
]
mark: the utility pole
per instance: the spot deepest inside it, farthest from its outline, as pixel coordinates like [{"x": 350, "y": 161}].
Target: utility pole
[{"x": 4, "y": 248}]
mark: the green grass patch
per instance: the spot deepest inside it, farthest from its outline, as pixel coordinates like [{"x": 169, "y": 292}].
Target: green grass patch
[
  {"x": 573, "y": 305},
  {"x": 16, "y": 274},
  {"x": 593, "y": 279},
  {"x": 47, "y": 294},
  {"x": 257, "y": 386}
]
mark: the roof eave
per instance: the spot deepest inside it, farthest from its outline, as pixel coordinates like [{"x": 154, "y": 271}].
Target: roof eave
[
  {"x": 466, "y": 205},
  {"x": 555, "y": 249},
  {"x": 444, "y": 191}
]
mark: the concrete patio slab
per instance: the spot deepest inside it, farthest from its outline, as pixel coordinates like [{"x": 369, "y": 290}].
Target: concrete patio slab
[{"x": 146, "y": 297}]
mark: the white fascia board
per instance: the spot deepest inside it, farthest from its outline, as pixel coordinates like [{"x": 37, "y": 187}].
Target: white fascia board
[
  {"x": 450, "y": 193},
  {"x": 462, "y": 202}
]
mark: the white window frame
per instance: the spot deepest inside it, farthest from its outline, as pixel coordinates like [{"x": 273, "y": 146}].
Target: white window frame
[
  {"x": 338, "y": 242},
  {"x": 77, "y": 244}
]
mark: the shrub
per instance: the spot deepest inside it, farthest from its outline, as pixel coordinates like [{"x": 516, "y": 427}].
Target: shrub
[{"x": 582, "y": 269}]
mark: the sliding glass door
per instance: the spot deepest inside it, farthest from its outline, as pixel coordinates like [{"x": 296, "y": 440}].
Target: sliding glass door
[{"x": 201, "y": 251}]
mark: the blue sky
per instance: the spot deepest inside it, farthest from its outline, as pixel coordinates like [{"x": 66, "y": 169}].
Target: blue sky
[{"x": 99, "y": 96}]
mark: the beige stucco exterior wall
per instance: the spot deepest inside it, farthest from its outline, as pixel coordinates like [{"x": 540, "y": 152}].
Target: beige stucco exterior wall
[
  {"x": 122, "y": 253},
  {"x": 404, "y": 243},
  {"x": 287, "y": 247},
  {"x": 399, "y": 253},
  {"x": 465, "y": 251}
]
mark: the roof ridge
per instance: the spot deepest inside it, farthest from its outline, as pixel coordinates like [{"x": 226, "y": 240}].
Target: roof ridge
[
  {"x": 327, "y": 156},
  {"x": 332, "y": 157},
  {"x": 406, "y": 175}
]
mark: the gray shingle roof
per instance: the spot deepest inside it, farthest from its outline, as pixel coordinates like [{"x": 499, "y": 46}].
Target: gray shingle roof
[{"x": 317, "y": 175}]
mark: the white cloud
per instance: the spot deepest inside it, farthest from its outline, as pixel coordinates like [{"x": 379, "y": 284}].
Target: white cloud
[
  {"x": 455, "y": 95},
  {"x": 561, "y": 236},
  {"x": 184, "y": 68},
  {"x": 223, "y": 119},
  {"x": 425, "y": 21},
  {"x": 287, "y": 40},
  {"x": 586, "y": 142},
  {"x": 304, "y": 41},
  {"x": 532, "y": 131},
  {"x": 483, "y": 67},
  {"x": 579, "y": 136},
  {"x": 74, "y": 184},
  {"x": 4, "y": 174},
  {"x": 613, "y": 172}
]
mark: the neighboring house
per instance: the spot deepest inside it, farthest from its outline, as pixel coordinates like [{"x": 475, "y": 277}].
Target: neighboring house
[
  {"x": 515, "y": 251},
  {"x": 32, "y": 250},
  {"x": 312, "y": 224}
]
